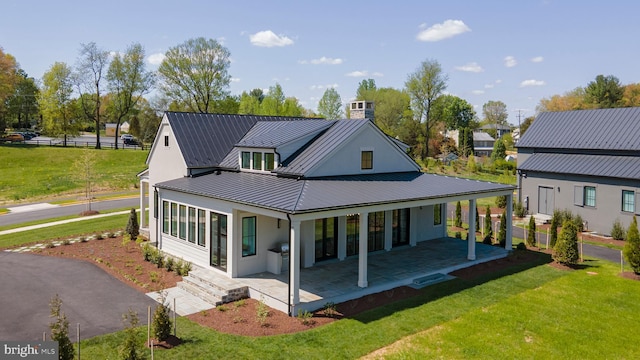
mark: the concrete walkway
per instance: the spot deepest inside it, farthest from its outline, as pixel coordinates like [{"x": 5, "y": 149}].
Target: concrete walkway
[{"x": 60, "y": 222}]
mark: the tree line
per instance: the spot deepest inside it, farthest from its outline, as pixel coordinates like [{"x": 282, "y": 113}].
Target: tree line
[{"x": 194, "y": 76}]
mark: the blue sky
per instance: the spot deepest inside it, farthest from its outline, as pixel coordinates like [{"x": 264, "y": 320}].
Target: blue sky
[{"x": 517, "y": 52}]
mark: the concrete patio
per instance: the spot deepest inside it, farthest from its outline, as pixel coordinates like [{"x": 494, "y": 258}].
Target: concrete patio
[{"x": 336, "y": 281}]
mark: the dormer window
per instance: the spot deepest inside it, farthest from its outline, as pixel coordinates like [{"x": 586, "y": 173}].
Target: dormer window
[
  {"x": 257, "y": 161},
  {"x": 245, "y": 160}
]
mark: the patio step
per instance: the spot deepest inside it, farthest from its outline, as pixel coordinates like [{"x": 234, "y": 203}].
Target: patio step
[
  {"x": 213, "y": 288},
  {"x": 430, "y": 279}
]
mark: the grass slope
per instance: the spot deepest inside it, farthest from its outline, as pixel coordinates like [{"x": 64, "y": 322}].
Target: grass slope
[{"x": 34, "y": 172}]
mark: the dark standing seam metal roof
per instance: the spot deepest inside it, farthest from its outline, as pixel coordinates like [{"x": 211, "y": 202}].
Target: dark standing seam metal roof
[
  {"x": 625, "y": 167},
  {"x": 602, "y": 129},
  {"x": 302, "y": 196},
  {"x": 205, "y": 139},
  {"x": 275, "y": 133},
  {"x": 320, "y": 148}
]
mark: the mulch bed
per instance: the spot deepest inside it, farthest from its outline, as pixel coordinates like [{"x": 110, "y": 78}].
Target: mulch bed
[{"x": 125, "y": 262}]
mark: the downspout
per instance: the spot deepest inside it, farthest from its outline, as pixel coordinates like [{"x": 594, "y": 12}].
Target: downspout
[
  {"x": 157, "y": 199},
  {"x": 290, "y": 267}
]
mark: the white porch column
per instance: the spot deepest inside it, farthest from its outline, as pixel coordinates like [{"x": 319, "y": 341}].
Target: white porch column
[
  {"x": 471, "y": 242},
  {"x": 388, "y": 229},
  {"x": 234, "y": 242},
  {"x": 143, "y": 204},
  {"x": 444, "y": 219},
  {"x": 363, "y": 250},
  {"x": 294, "y": 258},
  {"x": 509, "y": 243}
]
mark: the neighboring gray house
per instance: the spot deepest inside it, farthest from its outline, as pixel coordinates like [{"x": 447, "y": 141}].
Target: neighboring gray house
[
  {"x": 482, "y": 142},
  {"x": 500, "y": 129},
  {"x": 228, "y": 190},
  {"x": 586, "y": 161}
]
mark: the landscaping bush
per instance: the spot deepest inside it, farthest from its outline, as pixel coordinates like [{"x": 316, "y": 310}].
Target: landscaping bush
[
  {"x": 531, "y": 236},
  {"x": 161, "y": 320},
  {"x": 553, "y": 229},
  {"x": 521, "y": 246},
  {"x": 129, "y": 348},
  {"x": 501, "y": 201},
  {"x": 502, "y": 233},
  {"x": 477, "y": 219},
  {"x": 60, "y": 330},
  {"x": 147, "y": 252},
  {"x": 487, "y": 240},
  {"x": 458, "y": 235},
  {"x": 617, "y": 230},
  {"x": 566, "y": 249},
  {"x": 488, "y": 232},
  {"x": 519, "y": 210},
  {"x": 458, "y": 222},
  {"x": 133, "y": 229},
  {"x": 578, "y": 222},
  {"x": 169, "y": 264},
  {"x": 632, "y": 246},
  {"x": 471, "y": 164}
]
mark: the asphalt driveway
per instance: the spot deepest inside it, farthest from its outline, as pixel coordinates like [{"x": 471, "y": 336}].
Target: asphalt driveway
[{"x": 90, "y": 297}]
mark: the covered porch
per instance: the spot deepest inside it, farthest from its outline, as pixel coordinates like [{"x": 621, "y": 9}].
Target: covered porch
[{"x": 336, "y": 281}]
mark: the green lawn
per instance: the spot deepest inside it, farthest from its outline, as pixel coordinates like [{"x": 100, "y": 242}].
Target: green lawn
[
  {"x": 34, "y": 172},
  {"x": 536, "y": 312}
]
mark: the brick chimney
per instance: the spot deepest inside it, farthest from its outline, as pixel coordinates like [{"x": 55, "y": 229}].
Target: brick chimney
[{"x": 361, "y": 110}]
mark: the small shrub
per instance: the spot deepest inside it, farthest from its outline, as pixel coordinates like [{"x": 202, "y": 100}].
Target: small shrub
[
  {"x": 168, "y": 264},
  {"x": 458, "y": 221},
  {"x": 329, "y": 309},
  {"x": 125, "y": 240},
  {"x": 578, "y": 222},
  {"x": 66, "y": 242},
  {"x": 153, "y": 275},
  {"x": 502, "y": 233},
  {"x": 129, "y": 348},
  {"x": 305, "y": 317},
  {"x": 83, "y": 239},
  {"x": 632, "y": 246},
  {"x": 519, "y": 210},
  {"x": 262, "y": 312},
  {"x": 240, "y": 303},
  {"x": 139, "y": 239},
  {"x": 99, "y": 236},
  {"x": 133, "y": 229},
  {"x": 112, "y": 235},
  {"x": 501, "y": 201},
  {"x": 521, "y": 246},
  {"x": 553, "y": 229},
  {"x": 617, "y": 230},
  {"x": 184, "y": 268},
  {"x": 49, "y": 245},
  {"x": 60, "y": 330},
  {"x": 487, "y": 240},
  {"x": 222, "y": 308},
  {"x": 147, "y": 252},
  {"x": 531, "y": 235},
  {"x": 566, "y": 249},
  {"x": 458, "y": 235},
  {"x": 161, "y": 320},
  {"x": 487, "y": 223}
]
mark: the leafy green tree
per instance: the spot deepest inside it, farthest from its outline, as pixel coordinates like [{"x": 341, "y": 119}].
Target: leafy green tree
[
  {"x": 249, "y": 104},
  {"x": 458, "y": 222},
  {"x": 499, "y": 150},
  {"x": 488, "y": 231},
  {"x": 456, "y": 113},
  {"x": 424, "y": 86},
  {"x": 566, "y": 249},
  {"x": 495, "y": 112},
  {"x": 604, "y": 92},
  {"x": 631, "y": 248},
  {"x": 91, "y": 69},
  {"x": 465, "y": 142},
  {"x": 60, "y": 329},
  {"x": 133, "y": 229},
  {"x": 330, "y": 106},
  {"x": 8, "y": 81},
  {"x": 161, "y": 321},
  {"x": 129, "y": 349},
  {"x": 531, "y": 236},
  {"x": 553, "y": 228},
  {"x": 128, "y": 81},
  {"x": 477, "y": 218},
  {"x": 525, "y": 125},
  {"x": 195, "y": 74},
  {"x": 56, "y": 102},
  {"x": 571, "y": 100},
  {"x": 291, "y": 107},
  {"x": 502, "y": 232},
  {"x": 273, "y": 102},
  {"x": 22, "y": 105},
  {"x": 411, "y": 132},
  {"x": 471, "y": 164},
  {"x": 366, "y": 90}
]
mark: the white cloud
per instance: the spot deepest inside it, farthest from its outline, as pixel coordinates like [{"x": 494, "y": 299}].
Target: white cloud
[
  {"x": 499, "y": 81},
  {"x": 364, "y": 73},
  {"x": 235, "y": 79},
  {"x": 537, "y": 59},
  {"x": 155, "y": 59},
  {"x": 470, "y": 67},
  {"x": 437, "y": 32},
  {"x": 377, "y": 74},
  {"x": 322, "y": 61},
  {"x": 320, "y": 87},
  {"x": 510, "y": 61},
  {"x": 489, "y": 86},
  {"x": 532, "y": 82},
  {"x": 477, "y": 92},
  {"x": 268, "y": 38}
]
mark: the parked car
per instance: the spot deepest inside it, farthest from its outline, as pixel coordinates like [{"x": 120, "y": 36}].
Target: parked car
[
  {"x": 27, "y": 135},
  {"x": 130, "y": 141},
  {"x": 13, "y": 137},
  {"x": 125, "y": 137}
]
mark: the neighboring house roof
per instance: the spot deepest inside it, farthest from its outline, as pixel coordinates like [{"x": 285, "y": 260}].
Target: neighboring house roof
[
  {"x": 302, "y": 196},
  {"x": 601, "y": 129},
  {"x": 625, "y": 167},
  {"x": 205, "y": 139},
  {"x": 271, "y": 134},
  {"x": 482, "y": 136}
]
